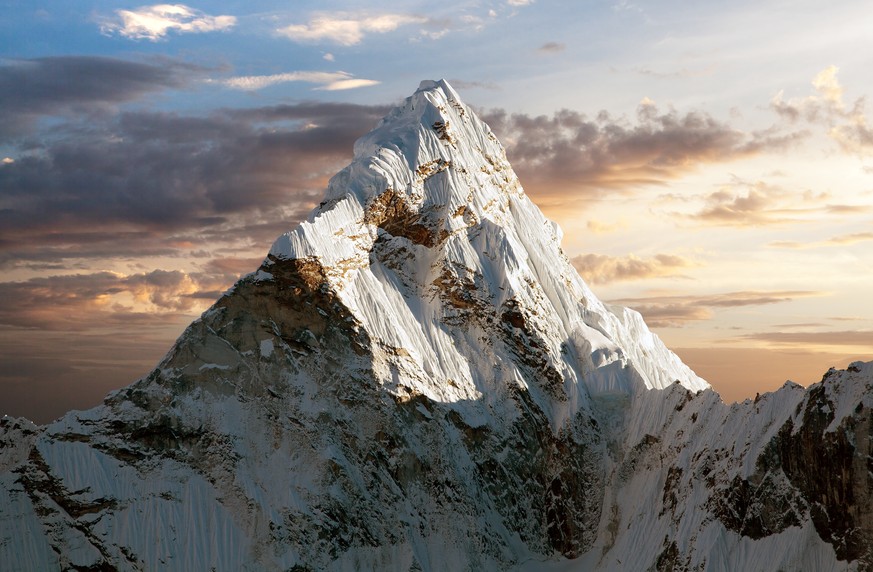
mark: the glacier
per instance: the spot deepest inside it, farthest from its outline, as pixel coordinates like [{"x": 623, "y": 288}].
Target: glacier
[{"x": 416, "y": 378}]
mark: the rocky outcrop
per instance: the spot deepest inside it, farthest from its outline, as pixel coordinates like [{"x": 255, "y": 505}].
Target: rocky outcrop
[{"x": 817, "y": 468}]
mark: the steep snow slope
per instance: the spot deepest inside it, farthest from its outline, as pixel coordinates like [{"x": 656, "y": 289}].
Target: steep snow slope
[
  {"x": 417, "y": 379},
  {"x": 429, "y": 225},
  {"x": 779, "y": 483}
]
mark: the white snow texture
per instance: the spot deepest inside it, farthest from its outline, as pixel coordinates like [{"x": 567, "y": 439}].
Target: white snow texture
[{"x": 416, "y": 378}]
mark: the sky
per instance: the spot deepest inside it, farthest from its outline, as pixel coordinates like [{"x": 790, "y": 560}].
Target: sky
[{"x": 710, "y": 163}]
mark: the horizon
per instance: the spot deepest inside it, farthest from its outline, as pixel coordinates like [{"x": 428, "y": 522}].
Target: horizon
[{"x": 719, "y": 182}]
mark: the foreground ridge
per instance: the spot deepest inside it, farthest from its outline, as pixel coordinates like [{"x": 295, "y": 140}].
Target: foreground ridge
[{"x": 417, "y": 379}]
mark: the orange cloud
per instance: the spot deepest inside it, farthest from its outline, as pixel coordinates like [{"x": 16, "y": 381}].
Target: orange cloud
[
  {"x": 77, "y": 301},
  {"x": 598, "y": 227},
  {"x": 759, "y": 203},
  {"x": 841, "y": 240},
  {"x": 675, "y": 311},
  {"x": 845, "y": 124},
  {"x": 602, "y": 269},
  {"x": 850, "y": 338}
]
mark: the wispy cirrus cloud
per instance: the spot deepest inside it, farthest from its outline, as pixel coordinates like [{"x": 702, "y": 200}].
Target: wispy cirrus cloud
[
  {"x": 327, "y": 81},
  {"x": 816, "y": 339},
  {"x": 347, "y": 28},
  {"x": 839, "y": 240},
  {"x": 551, "y": 48},
  {"x": 602, "y": 269},
  {"x": 675, "y": 311},
  {"x": 465, "y": 84},
  {"x": 156, "y": 21}
]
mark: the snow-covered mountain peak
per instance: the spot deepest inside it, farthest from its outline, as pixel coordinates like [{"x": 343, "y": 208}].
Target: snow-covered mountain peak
[
  {"x": 416, "y": 378},
  {"x": 430, "y": 152},
  {"x": 429, "y": 240}
]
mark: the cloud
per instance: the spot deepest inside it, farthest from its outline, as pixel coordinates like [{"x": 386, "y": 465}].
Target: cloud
[
  {"x": 851, "y": 338},
  {"x": 351, "y": 83},
  {"x": 233, "y": 267},
  {"x": 672, "y": 314},
  {"x": 851, "y": 238},
  {"x": 145, "y": 183},
  {"x": 625, "y": 6},
  {"x": 845, "y": 124},
  {"x": 80, "y": 85},
  {"x": 675, "y": 311},
  {"x": 551, "y": 48},
  {"x": 591, "y": 156},
  {"x": 673, "y": 74},
  {"x": 346, "y": 28},
  {"x": 328, "y": 81},
  {"x": 519, "y": 2},
  {"x": 76, "y": 301},
  {"x": 841, "y": 240},
  {"x": 602, "y": 269},
  {"x": 92, "y": 300},
  {"x": 66, "y": 340},
  {"x": 745, "y": 203},
  {"x": 598, "y": 227},
  {"x": 154, "y": 22},
  {"x": 465, "y": 85}
]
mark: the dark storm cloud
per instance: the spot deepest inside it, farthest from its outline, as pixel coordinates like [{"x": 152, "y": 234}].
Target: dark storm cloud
[
  {"x": 66, "y": 85},
  {"x": 163, "y": 179},
  {"x": 571, "y": 152}
]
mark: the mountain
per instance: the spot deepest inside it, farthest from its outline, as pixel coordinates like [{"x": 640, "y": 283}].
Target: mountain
[{"x": 416, "y": 379}]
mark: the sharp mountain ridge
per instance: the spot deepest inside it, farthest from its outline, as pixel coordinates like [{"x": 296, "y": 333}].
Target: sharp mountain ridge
[{"x": 417, "y": 379}]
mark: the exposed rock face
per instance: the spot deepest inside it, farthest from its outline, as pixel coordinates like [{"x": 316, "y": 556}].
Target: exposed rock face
[{"x": 417, "y": 379}]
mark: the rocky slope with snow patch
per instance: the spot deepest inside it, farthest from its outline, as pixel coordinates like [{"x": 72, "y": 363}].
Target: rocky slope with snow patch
[{"x": 417, "y": 379}]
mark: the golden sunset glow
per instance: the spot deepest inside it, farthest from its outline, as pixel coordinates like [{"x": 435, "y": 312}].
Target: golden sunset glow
[{"x": 711, "y": 166}]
